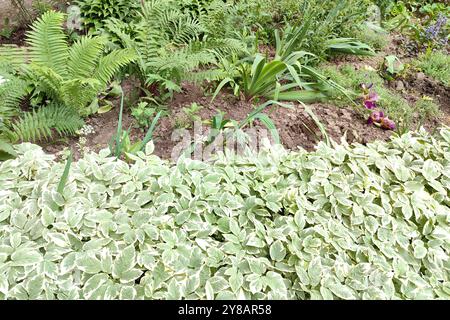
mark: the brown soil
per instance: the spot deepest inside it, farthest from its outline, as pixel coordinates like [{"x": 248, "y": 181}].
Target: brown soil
[
  {"x": 430, "y": 87},
  {"x": 291, "y": 123},
  {"x": 17, "y": 37}
]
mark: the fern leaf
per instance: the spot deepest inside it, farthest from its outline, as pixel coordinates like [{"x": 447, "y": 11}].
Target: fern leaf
[
  {"x": 83, "y": 56},
  {"x": 13, "y": 56},
  {"x": 77, "y": 93},
  {"x": 38, "y": 124},
  {"x": 111, "y": 64},
  {"x": 46, "y": 80},
  {"x": 48, "y": 44},
  {"x": 11, "y": 94}
]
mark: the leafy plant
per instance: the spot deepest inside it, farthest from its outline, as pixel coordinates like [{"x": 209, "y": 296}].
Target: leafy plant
[
  {"x": 65, "y": 175},
  {"x": 392, "y": 67},
  {"x": 264, "y": 79},
  {"x": 69, "y": 75},
  {"x": 192, "y": 112},
  {"x": 7, "y": 30},
  {"x": 426, "y": 109},
  {"x": 121, "y": 142},
  {"x": 342, "y": 222},
  {"x": 435, "y": 64},
  {"x": 144, "y": 113},
  {"x": 40, "y": 123},
  {"x": 169, "y": 49},
  {"x": 95, "y": 13},
  {"x": 349, "y": 46},
  {"x": 219, "y": 124},
  {"x": 6, "y": 150}
]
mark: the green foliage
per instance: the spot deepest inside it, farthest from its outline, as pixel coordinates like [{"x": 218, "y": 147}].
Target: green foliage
[
  {"x": 143, "y": 112},
  {"x": 121, "y": 144},
  {"x": 69, "y": 75},
  {"x": 349, "y": 46},
  {"x": 173, "y": 45},
  {"x": 6, "y": 150},
  {"x": 436, "y": 65},
  {"x": 73, "y": 75},
  {"x": 427, "y": 109},
  {"x": 374, "y": 37},
  {"x": 425, "y": 24},
  {"x": 276, "y": 225},
  {"x": 7, "y": 30},
  {"x": 392, "y": 67},
  {"x": 40, "y": 123},
  {"x": 391, "y": 102},
  {"x": 433, "y": 9},
  {"x": 96, "y": 13},
  {"x": 278, "y": 79},
  {"x": 11, "y": 94},
  {"x": 329, "y": 19},
  {"x": 65, "y": 175},
  {"x": 192, "y": 112}
]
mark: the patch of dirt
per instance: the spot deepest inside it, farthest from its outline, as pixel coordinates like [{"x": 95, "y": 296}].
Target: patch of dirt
[
  {"x": 292, "y": 124},
  {"x": 430, "y": 87},
  {"x": 17, "y": 37},
  {"x": 295, "y": 126}
]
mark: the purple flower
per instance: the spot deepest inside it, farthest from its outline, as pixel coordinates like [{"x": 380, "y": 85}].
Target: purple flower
[
  {"x": 375, "y": 117},
  {"x": 370, "y": 101},
  {"x": 433, "y": 32},
  {"x": 387, "y": 124}
]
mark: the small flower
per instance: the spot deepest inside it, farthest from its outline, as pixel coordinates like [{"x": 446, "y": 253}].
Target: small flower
[
  {"x": 387, "y": 124},
  {"x": 434, "y": 32},
  {"x": 370, "y": 101},
  {"x": 366, "y": 87},
  {"x": 375, "y": 117}
]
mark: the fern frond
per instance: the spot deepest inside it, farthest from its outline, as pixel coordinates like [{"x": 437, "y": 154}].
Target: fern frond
[
  {"x": 11, "y": 94},
  {"x": 39, "y": 124},
  {"x": 48, "y": 43},
  {"x": 46, "y": 80},
  {"x": 13, "y": 56},
  {"x": 83, "y": 56},
  {"x": 110, "y": 64},
  {"x": 205, "y": 75},
  {"x": 78, "y": 93}
]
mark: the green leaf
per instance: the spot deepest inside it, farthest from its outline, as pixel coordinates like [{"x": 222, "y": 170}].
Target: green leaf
[
  {"x": 124, "y": 262},
  {"x": 277, "y": 251},
  {"x": 88, "y": 263},
  {"x": 26, "y": 257}
]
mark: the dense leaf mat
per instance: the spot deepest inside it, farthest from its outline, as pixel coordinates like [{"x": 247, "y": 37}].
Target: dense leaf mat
[{"x": 350, "y": 222}]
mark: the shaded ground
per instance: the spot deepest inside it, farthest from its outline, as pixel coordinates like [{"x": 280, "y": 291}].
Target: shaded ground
[{"x": 17, "y": 37}]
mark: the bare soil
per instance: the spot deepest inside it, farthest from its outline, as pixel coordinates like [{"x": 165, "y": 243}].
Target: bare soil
[{"x": 292, "y": 123}]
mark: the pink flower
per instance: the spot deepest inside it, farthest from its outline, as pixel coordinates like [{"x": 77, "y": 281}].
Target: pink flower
[
  {"x": 375, "y": 117},
  {"x": 370, "y": 101},
  {"x": 387, "y": 124}
]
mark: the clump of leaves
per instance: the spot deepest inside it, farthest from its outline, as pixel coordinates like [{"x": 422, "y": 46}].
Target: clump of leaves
[
  {"x": 426, "y": 108},
  {"x": 343, "y": 222},
  {"x": 144, "y": 113},
  {"x": 121, "y": 145},
  {"x": 435, "y": 64},
  {"x": 392, "y": 67}
]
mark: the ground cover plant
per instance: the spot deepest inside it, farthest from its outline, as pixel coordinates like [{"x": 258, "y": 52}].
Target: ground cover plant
[
  {"x": 224, "y": 149},
  {"x": 344, "y": 222}
]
